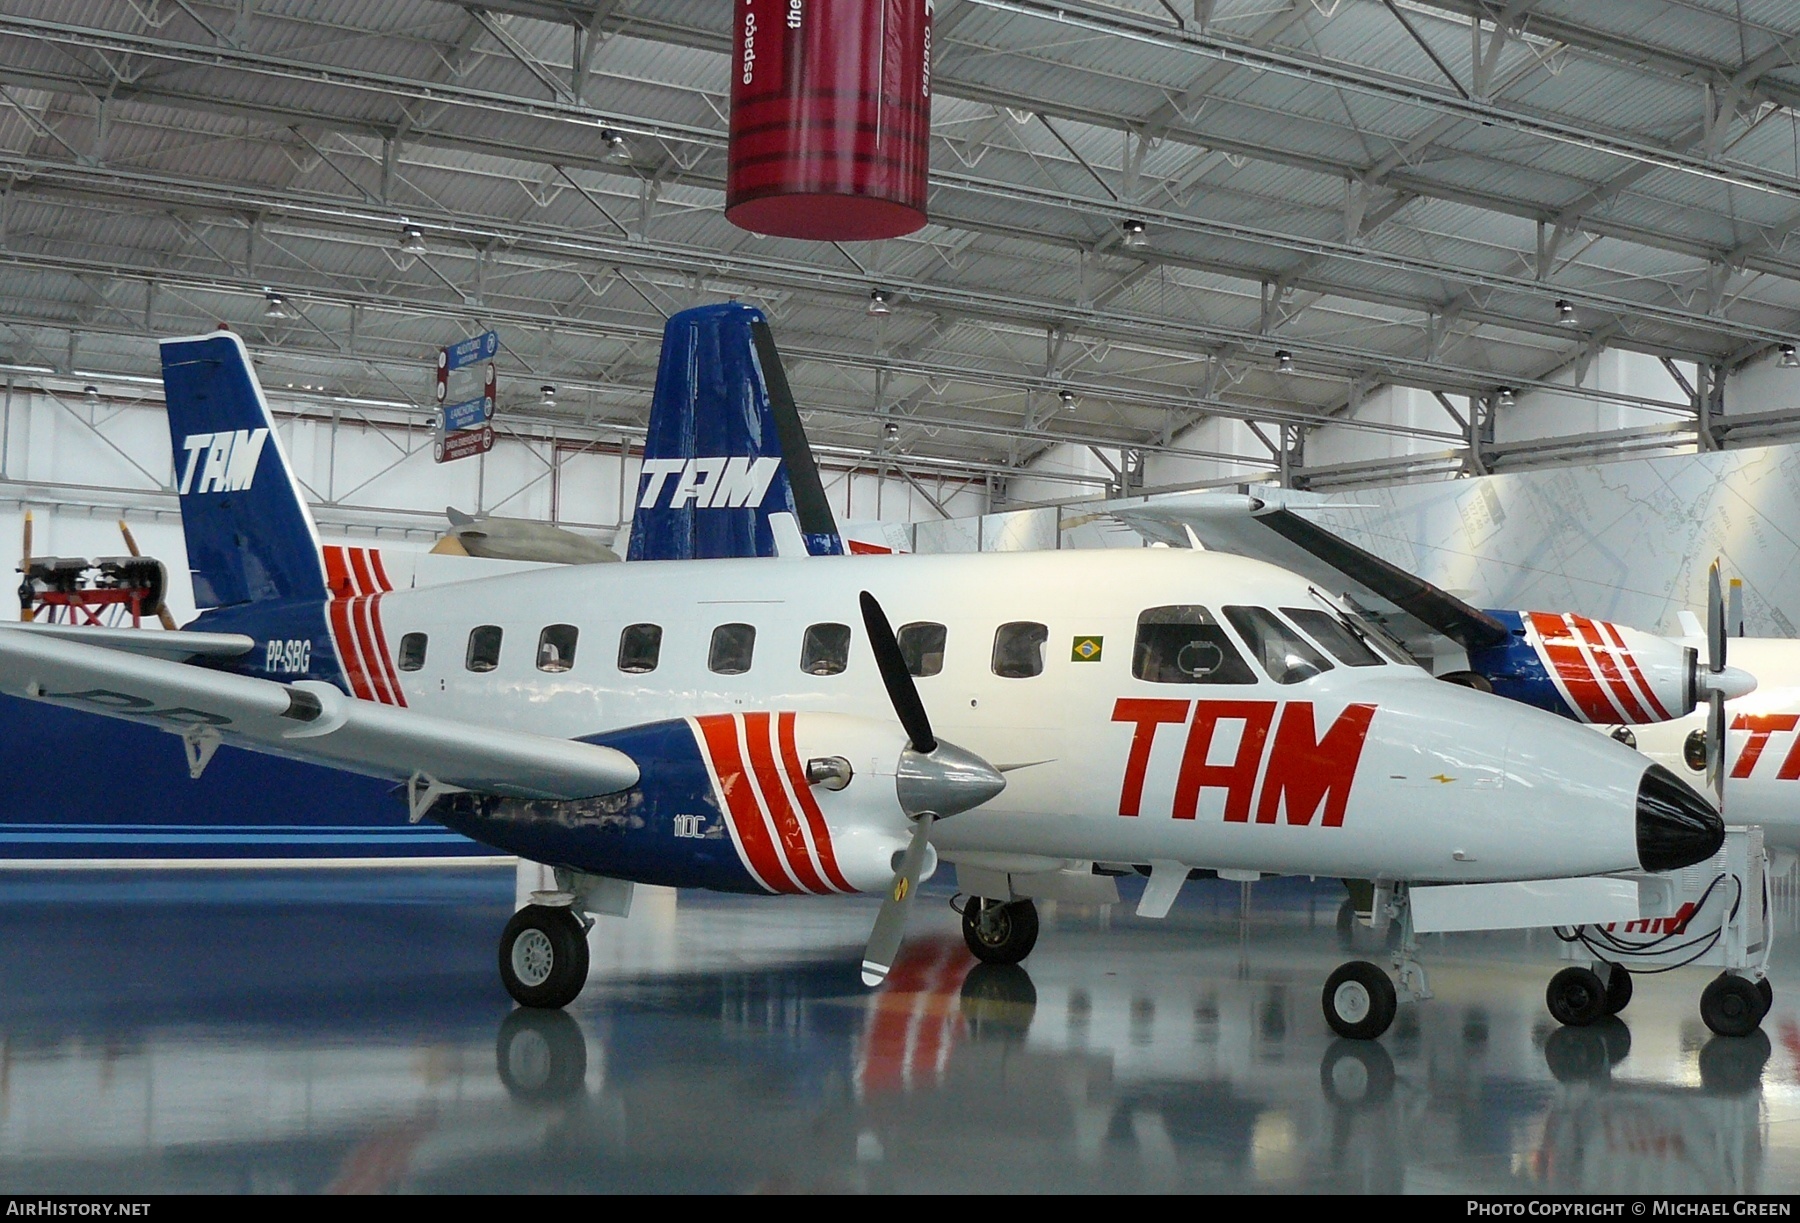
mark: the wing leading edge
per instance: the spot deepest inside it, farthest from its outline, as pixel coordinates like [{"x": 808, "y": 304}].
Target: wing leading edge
[
  {"x": 1250, "y": 526},
  {"x": 307, "y": 721}
]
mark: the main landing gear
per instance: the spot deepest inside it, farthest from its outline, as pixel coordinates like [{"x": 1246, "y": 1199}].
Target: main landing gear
[
  {"x": 544, "y": 955},
  {"x": 999, "y": 932}
]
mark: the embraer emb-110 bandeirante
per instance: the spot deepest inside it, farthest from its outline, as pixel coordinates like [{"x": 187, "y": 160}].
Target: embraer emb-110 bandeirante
[{"x": 758, "y": 726}]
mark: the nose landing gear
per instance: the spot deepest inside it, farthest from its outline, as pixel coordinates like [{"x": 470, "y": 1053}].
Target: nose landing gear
[
  {"x": 1360, "y": 998},
  {"x": 999, "y": 932}
]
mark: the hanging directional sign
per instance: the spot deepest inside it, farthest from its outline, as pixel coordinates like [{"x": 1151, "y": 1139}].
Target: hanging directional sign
[
  {"x": 471, "y": 413},
  {"x": 471, "y": 351},
  {"x": 467, "y": 393},
  {"x": 463, "y": 444}
]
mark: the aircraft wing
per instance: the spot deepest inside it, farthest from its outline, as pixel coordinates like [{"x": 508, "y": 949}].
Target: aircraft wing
[
  {"x": 308, "y": 721},
  {"x": 1411, "y": 608},
  {"x": 176, "y": 645}
]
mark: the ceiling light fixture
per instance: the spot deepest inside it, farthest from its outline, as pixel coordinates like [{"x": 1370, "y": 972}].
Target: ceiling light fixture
[
  {"x": 1284, "y": 361},
  {"x": 546, "y": 396},
  {"x": 1789, "y": 360},
  {"x": 275, "y": 306},
  {"x": 91, "y": 393},
  {"x": 1505, "y": 399},
  {"x": 1133, "y": 229},
  {"x": 1565, "y": 313},
  {"x": 617, "y": 150},
  {"x": 412, "y": 239},
  {"x": 878, "y": 302},
  {"x": 1069, "y": 400},
  {"x": 892, "y": 429}
]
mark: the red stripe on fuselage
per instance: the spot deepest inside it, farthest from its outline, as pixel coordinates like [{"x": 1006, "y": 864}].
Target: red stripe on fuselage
[
  {"x": 1649, "y": 693},
  {"x": 381, "y": 577},
  {"x": 1609, "y": 669},
  {"x": 337, "y": 572},
  {"x": 809, "y": 805},
  {"x": 1572, "y": 668},
  {"x": 789, "y": 837},
  {"x": 721, "y": 736},
  {"x": 349, "y": 657},
  {"x": 381, "y": 652},
  {"x": 363, "y": 616},
  {"x": 359, "y": 565}
]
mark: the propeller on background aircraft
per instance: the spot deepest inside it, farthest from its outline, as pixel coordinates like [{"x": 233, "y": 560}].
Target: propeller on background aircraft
[
  {"x": 1715, "y": 693},
  {"x": 25, "y": 590},
  {"x": 162, "y": 611},
  {"x": 935, "y": 780}
]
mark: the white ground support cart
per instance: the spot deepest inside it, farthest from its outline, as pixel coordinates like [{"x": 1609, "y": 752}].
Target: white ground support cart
[{"x": 1712, "y": 915}]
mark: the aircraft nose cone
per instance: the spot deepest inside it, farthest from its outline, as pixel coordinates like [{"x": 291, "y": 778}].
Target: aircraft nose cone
[{"x": 1675, "y": 826}]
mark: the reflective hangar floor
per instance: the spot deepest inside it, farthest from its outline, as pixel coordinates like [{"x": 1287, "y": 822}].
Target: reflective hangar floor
[{"x": 323, "y": 1032}]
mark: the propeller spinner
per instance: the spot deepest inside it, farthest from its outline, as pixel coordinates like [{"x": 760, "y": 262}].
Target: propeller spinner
[{"x": 935, "y": 781}]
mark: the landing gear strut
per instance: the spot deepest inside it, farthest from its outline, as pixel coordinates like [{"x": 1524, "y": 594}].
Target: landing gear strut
[
  {"x": 999, "y": 932},
  {"x": 1360, "y": 998},
  {"x": 544, "y": 956}
]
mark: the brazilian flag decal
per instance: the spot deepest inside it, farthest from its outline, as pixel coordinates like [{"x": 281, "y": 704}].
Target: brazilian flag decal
[{"x": 1086, "y": 649}]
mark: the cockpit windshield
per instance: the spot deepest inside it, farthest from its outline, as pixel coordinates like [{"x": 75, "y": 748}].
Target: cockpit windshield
[{"x": 1288, "y": 657}]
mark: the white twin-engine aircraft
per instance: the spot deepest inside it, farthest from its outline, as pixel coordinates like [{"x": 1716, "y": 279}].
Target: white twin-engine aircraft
[{"x": 758, "y": 726}]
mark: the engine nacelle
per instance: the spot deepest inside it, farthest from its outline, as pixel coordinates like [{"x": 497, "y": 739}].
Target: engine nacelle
[{"x": 1591, "y": 670}]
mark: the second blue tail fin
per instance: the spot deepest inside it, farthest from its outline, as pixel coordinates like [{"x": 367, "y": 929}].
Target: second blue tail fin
[{"x": 726, "y": 448}]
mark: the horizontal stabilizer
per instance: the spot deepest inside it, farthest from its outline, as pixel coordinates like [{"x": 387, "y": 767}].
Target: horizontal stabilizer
[
  {"x": 309, "y": 721},
  {"x": 176, "y": 646}
]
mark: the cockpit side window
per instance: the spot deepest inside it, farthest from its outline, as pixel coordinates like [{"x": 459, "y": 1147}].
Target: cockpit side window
[
  {"x": 1336, "y": 636},
  {"x": 1183, "y": 644},
  {"x": 1283, "y": 653}
]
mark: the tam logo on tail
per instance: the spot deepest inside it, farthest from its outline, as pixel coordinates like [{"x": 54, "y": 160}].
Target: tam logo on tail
[
  {"x": 226, "y": 461},
  {"x": 719, "y": 483}
]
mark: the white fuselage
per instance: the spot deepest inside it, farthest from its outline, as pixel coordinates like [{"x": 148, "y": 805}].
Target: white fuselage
[{"x": 1442, "y": 783}]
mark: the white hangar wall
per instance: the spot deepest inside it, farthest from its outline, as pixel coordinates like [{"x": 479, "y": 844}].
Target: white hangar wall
[{"x": 82, "y": 463}]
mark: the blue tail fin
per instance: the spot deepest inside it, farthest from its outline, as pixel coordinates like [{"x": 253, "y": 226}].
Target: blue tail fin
[
  {"x": 726, "y": 448},
  {"x": 250, "y": 536}
]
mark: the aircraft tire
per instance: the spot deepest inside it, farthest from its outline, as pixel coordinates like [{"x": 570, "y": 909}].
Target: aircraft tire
[
  {"x": 1575, "y": 997},
  {"x": 1767, "y": 992},
  {"x": 544, "y": 956},
  {"x": 1731, "y": 1006},
  {"x": 1007, "y": 934},
  {"x": 1618, "y": 990},
  {"x": 1359, "y": 1001}
]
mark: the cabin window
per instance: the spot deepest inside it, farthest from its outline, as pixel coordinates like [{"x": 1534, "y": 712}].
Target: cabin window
[
  {"x": 1340, "y": 640},
  {"x": 1019, "y": 649},
  {"x": 922, "y": 646},
  {"x": 484, "y": 648},
  {"x": 412, "y": 651},
  {"x": 1183, "y": 644},
  {"x": 556, "y": 647},
  {"x": 640, "y": 646},
  {"x": 1283, "y": 653},
  {"x": 825, "y": 650},
  {"x": 732, "y": 647}
]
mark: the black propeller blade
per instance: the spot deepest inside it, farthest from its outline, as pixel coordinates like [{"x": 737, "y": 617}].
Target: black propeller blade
[
  {"x": 902, "y": 693},
  {"x": 933, "y": 780}
]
